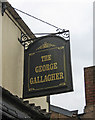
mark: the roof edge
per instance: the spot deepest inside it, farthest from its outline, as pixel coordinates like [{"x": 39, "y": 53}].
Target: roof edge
[{"x": 18, "y": 19}]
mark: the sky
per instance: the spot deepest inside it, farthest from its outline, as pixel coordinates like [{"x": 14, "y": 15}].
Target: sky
[{"x": 77, "y": 17}]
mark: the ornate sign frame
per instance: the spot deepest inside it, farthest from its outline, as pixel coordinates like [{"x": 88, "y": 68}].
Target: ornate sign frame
[{"x": 47, "y": 67}]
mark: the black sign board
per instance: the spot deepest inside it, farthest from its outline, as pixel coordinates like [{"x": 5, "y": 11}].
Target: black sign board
[{"x": 47, "y": 67}]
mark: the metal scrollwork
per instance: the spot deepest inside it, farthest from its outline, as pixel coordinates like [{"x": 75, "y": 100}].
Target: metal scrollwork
[
  {"x": 65, "y": 34},
  {"x": 45, "y": 45},
  {"x": 24, "y": 40},
  {"x": 24, "y": 37}
]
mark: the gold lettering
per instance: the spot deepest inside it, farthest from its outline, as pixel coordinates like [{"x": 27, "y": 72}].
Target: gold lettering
[
  {"x": 35, "y": 80},
  {"x": 61, "y": 75},
  {"x": 31, "y": 80},
  {"x": 46, "y": 67},
  {"x": 38, "y": 79},
  {"x": 40, "y": 68},
  {"x": 43, "y": 68},
  {"x": 42, "y": 57},
  {"x": 41, "y": 80},
  {"x": 45, "y": 78},
  {"x": 49, "y": 57},
  {"x": 57, "y": 76},
  {"x": 46, "y": 58},
  {"x": 51, "y": 66},
  {"x": 55, "y": 65},
  {"x": 53, "y": 76},
  {"x": 36, "y": 69},
  {"x": 49, "y": 77}
]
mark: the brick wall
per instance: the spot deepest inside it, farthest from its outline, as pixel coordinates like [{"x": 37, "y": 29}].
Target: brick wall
[
  {"x": 55, "y": 115},
  {"x": 89, "y": 76},
  {"x": 58, "y": 116}
]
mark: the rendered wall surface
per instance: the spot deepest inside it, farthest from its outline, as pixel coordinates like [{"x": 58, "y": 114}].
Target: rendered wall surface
[
  {"x": 12, "y": 60},
  {"x": 12, "y": 57},
  {"x": 40, "y": 101}
]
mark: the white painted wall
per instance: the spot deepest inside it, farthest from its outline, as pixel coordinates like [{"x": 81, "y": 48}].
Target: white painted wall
[
  {"x": 12, "y": 57},
  {"x": 40, "y": 101},
  {"x": 12, "y": 60}
]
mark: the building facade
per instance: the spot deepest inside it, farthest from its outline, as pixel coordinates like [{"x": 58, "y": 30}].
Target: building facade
[
  {"x": 12, "y": 53},
  {"x": 89, "y": 111},
  {"x": 89, "y": 78}
]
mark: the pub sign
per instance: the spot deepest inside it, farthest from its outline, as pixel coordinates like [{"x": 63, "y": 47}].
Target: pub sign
[{"x": 47, "y": 67}]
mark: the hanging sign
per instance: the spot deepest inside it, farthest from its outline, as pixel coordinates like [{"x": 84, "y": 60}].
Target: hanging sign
[{"x": 47, "y": 67}]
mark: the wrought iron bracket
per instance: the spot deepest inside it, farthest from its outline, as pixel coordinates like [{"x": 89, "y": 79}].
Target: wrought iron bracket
[
  {"x": 63, "y": 33},
  {"x": 24, "y": 40}
]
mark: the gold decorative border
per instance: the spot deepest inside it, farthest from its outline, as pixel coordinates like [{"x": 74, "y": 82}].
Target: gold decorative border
[
  {"x": 61, "y": 84},
  {"x": 45, "y": 45},
  {"x": 59, "y": 48}
]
